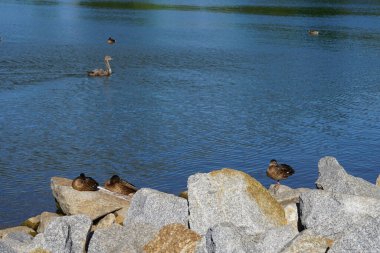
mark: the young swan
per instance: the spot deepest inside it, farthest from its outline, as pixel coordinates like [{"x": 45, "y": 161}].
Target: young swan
[
  {"x": 116, "y": 184},
  {"x": 101, "y": 72},
  {"x": 83, "y": 183}
]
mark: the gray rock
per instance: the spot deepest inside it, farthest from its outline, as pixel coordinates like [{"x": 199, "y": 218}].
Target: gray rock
[
  {"x": 4, "y": 248},
  {"x": 308, "y": 241},
  {"x": 25, "y": 229},
  {"x": 285, "y": 195},
  {"x": 45, "y": 219},
  {"x": 156, "y": 208},
  {"x": 364, "y": 237},
  {"x": 17, "y": 241},
  {"x": 330, "y": 214},
  {"x": 106, "y": 221},
  {"x": 231, "y": 196},
  {"x": 139, "y": 234},
  {"x": 94, "y": 204},
  {"x": 66, "y": 234},
  {"x": 333, "y": 177},
  {"x": 226, "y": 237},
  {"x": 110, "y": 239}
]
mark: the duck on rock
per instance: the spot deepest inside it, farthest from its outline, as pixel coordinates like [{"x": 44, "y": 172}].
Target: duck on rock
[
  {"x": 278, "y": 171},
  {"x": 83, "y": 183},
  {"x": 116, "y": 184}
]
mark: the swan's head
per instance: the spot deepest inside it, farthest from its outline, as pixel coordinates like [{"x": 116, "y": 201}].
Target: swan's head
[{"x": 107, "y": 58}]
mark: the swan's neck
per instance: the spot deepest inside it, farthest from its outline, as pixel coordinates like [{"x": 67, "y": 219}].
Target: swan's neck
[{"x": 108, "y": 66}]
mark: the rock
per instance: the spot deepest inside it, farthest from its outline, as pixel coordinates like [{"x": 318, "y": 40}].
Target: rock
[
  {"x": 157, "y": 208},
  {"x": 109, "y": 239},
  {"x": 25, "y": 229},
  {"x": 291, "y": 215},
  {"x": 120, "y": 239},
  {"x": 45, "y": 219},
  {"x": 66, "y": 234},
  {"x": 94, "y": 204},
  {"x": 107, "y": 221},
  {"x": 330, "y": 214},
  {"x": 285, "y": 195},
  {"x": 226, "y": 237},
  {"x": 333, "y": 177},
  {"x": 378, "y": 181},
  {"x": 175, "y": 238},
  {"x": 231, "y": 196},
  {"x": 17, "y": 241},
  {"x": 5, "y": 248},
  {"x": 308, "y": 242},
  {"x": 32, "y": 222},
  {"x": 120, "y": 215},
  {"x": 363, "y": 237}
]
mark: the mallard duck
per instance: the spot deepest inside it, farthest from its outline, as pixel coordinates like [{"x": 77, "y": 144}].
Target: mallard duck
[
  {"x": 111, "y": 41},
  {"x": 279, "y": 171},
  {"x": 313, "y": 32},
  {"x": 83, "y": 183},
  {"x": 116, "y": 184}
]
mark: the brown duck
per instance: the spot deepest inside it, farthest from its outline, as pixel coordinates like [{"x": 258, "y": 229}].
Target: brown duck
[
  {"x": 83, "y": 183},
  {"x": 116, "y": 184},
  {"x": 279, "y": 171}
]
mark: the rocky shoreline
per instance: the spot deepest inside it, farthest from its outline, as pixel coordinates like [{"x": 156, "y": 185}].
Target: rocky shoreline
[{"x": 222, "y": 211}]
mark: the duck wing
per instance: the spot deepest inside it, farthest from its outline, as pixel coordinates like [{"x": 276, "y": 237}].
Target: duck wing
[{"x": 286, "y": 170}]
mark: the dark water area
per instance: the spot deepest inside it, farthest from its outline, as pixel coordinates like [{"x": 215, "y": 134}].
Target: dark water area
[{"x": 196, "y": 86}]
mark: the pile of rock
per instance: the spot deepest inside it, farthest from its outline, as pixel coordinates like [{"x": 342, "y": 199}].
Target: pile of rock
[{"x": 225, "y": 211}]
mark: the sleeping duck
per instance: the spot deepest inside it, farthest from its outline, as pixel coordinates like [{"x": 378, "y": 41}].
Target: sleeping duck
[
  {"x": 83, "y": 183},
  {"x": 279, "y": 171},
  {"x": 111, "y": 41},
  {"x": 116, "y": 184}
]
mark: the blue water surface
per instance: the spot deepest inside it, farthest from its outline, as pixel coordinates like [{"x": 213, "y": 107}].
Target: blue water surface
[{"x": 197, "y": 86}]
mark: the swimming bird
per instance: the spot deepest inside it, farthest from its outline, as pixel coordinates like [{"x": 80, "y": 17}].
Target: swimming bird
[
  {"x": 116, "y": 184},
  {"x": 83, "y": 183},
  {"x": 279, "y": 171},
  {"x": 101, "y": 72},
  {"x": 313, "y": 32},
  {"x": 111, "y": 41}
]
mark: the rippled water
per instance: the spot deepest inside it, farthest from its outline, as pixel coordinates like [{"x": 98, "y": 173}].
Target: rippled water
[{"x": 197, "y": 86}]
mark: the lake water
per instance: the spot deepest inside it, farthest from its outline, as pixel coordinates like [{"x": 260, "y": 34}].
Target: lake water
[{"x": 197, "y": 86}]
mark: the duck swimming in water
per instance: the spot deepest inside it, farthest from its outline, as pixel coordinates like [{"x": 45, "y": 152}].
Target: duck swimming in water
[
  {"x": 111, "y": 41},
  {"x": 279, "y": 171},
  {"x": 83, "y": 183},
  {"x": 101, "y": 72},
  {"x": 313, "y": 32},
  {"x": 116, "y": 184}
]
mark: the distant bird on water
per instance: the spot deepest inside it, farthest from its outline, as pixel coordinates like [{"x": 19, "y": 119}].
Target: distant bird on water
[
  {"x": 101, "y": 72},
  {"x": 313, "y": 32},
  {"x": 111, "y": 41},
  {"x": 116, "y": 184},
  {"x": 279, "y": 171},
  {"x": 83, "y": 183}
]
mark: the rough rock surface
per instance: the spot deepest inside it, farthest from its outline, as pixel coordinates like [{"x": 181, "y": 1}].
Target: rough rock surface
[
  {"x": 330, "y": 214},
  {"x": 307, "y": 241},
  {"x": 24, "y": 229},
  {"x": 231, "y": 196},
  {"x": 175, "y": 238},
  {"x": 333, "y": 177},
  {"x": 157, "y": 208},
  {"x": 66, "y": 234},
  {"x": 285, "y": 195},
  {"x": 106, "y": 221},
  {"x": 17, "y": 242},
  {"x": 226, "y": 237},
  {"x": 45, "y": 219},
  {"x": 364, "y": 237},
  {"x": 94, "y": 204},
  {"x": 32, "y": 222},
  {"x": 110, "y": 239}
]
